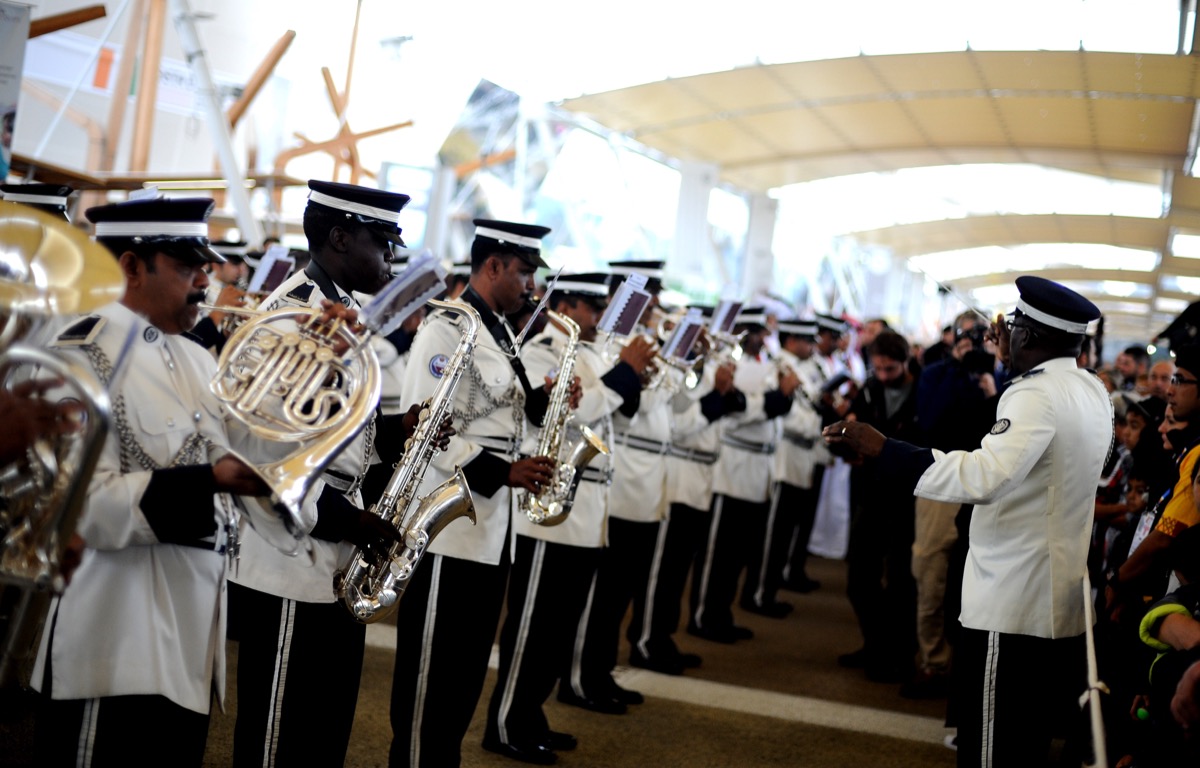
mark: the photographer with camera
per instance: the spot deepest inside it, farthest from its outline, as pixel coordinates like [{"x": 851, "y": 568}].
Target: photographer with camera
[{"x": 952, "y": 410}]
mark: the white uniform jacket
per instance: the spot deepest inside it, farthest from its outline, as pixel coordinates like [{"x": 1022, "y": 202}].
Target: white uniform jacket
[
  {"x": 261, "y": 566},
  {"x": 1033, "y": 481},
  {"x": 695, "y": 445},
  {"x": 488, "y": 413},
  {"x": 144, "y": 617},
  {"x": 801, "y": 434},
  {"x": 585, "y": 525},
  {"x": 639, "y": 490},
  {"x": 748, "y": 440},
  {"x": 813, "y": 373}
]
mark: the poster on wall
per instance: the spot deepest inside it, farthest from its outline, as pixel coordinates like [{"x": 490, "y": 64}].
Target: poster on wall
[{"x": 14, "y": 31}]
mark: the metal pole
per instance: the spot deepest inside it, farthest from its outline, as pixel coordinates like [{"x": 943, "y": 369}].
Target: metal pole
[
  {"x": 83, "y": 73},
  {"x": 218, "y": 123}
]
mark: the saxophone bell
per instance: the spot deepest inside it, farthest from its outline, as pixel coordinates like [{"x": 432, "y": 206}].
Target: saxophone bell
[
  {"x": 556, "y": 502},
  {"x": 374, "y": 584}
]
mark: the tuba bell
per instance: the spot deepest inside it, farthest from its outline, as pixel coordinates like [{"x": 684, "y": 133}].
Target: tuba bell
[
  {"x": 48, "y": 269},
  {"x": 284, "y": 377}
]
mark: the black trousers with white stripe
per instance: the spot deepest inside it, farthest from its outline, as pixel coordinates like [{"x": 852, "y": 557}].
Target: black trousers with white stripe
[
  {"x": 1018, "y": 693},
  {"x": 737, "y": 527},
  {"x": 119, "y": 730},
  {"x": 680, "y": 538},
  {"x": 806, "y": 515},
  {"x": 299, "y": 666},
  {"x": 445, "y": 628},
  {"x": 547, "y": 590},
  {"x": 620, "y": 579},
  {"x": 764, "y": 571}
]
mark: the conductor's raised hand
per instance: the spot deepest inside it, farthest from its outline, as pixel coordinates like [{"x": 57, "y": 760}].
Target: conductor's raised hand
[
  {"x": 998, "y": 335},
  {"x": 532, "y": 474},
  {"x": 863, "y": 439}
]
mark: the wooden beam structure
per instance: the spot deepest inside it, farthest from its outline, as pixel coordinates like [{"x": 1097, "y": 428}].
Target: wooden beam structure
[
  {"x": 120, "y": 97},
  {"x": 147, "y": 97},
  {"x": 259, "y": 78},
  {"x": 48, "y": 24}
]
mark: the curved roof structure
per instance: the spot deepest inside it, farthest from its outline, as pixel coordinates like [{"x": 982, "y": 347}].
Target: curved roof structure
[{"x": 1115, "y": 115}]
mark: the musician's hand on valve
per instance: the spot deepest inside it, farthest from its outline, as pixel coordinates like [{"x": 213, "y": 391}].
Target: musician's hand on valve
[
  {"x": 331, "y": 312},
  {"x": 723, "y": 379},
  {"x": 639, "y": 353},
  {"x": 532, "y": 474},
  {"x": 234, "y": 476},
  {"x": 446, "y": 431},
  {"x": 576, "y": 392},
  {"x": 788, "y": 382},
  {"x": 861, "y": 438},
  {"x": 372, "y": 533}
]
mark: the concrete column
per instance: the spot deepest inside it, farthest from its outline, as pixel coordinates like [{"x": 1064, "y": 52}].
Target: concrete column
[
  {"x": 693, "y": 248},
  {"x": 758, "y": 262}
]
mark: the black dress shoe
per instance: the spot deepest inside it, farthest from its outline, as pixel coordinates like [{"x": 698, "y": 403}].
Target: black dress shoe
[
  {"x": 625, "y": 696},
  {"x": 559, "y": 742},
  {"x": 803, "y": 585},
  {"x": 604, "y": 705},
  {"x": 717, "y": 635},
  {"x": 689, "y": 660},
  {"x": 742, "y": 633},
  {"x": 664, "y": 665},
  {"x": 855, "y": 659},
  {"x": 537, "y": 754},
  {"x": 776, "y": 609}
]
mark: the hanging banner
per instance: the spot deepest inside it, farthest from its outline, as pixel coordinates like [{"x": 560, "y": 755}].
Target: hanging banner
[{"x": 14, "y": 31}]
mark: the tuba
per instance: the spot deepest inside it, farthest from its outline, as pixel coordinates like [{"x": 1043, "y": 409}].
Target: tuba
[
  {"x": 49, "y": 269},
  {"x": 553, "y": 503},
  {"x": 372, "y": 584},
  {"x": 283, "y": 376}
]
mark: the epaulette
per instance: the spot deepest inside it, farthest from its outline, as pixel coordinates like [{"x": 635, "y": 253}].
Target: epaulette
[
  {"x": 1029, "y": 374},
  {"x": 546, "y": 341},
  {"x": 80, "y": 332},
  {"x": 301, "y": 293}
]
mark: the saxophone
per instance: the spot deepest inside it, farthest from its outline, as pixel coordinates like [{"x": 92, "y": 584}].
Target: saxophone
[
  {"x": 553, "y": 503},
  {"x": 373, "y": 583}
]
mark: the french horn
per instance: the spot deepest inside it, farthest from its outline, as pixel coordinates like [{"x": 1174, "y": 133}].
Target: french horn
[{"x": 292, "y": 381}]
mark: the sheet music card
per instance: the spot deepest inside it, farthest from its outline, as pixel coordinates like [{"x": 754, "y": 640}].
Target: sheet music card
[
  {"x": 626, "y": 307},
  {"x": 684, "y": 336},
  {"x": 274, "y": 267},
  {"x": 407, "y": 292},
  {"x": 725, "y": 316}
]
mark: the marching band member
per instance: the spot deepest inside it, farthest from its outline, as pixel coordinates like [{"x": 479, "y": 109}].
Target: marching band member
[
  {"x": 741, "y": 484},
  {"x": 300, "y": 651},
  {"x": 135, "y": 647},
  {"x": 793, "y": 500},
  {"x": 695, "y": 443},
  {"x": 637, "y": 502},
  {"x": 50, "y": 198},
  {"x": 553, "y": 565},
  {"x": 447, "y": 621}
]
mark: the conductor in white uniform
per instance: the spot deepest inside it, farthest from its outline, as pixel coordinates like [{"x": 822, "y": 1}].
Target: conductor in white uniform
[{"x": 1033, "y": 481}]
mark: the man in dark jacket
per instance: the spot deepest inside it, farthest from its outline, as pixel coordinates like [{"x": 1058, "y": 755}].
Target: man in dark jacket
[{"x": 879, "y": 577}]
